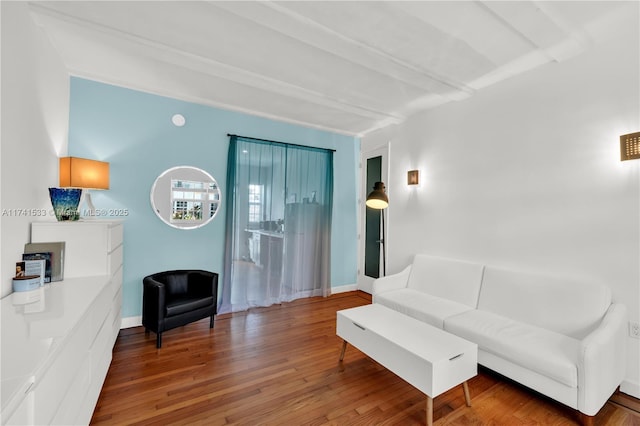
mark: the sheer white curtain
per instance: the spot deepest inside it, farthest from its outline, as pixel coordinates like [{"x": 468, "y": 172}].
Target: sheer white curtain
[{"x": 279, "y": 206}]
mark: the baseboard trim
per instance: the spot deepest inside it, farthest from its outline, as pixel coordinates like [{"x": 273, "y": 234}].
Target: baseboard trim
[
  {"x": 344, "y": 288},
  {"x": 130, "y": 322},
  {"x": 630, "y": 388}
]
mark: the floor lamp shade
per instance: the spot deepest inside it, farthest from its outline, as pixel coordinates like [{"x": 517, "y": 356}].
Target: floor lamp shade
[
  {"x": 377, "y": 199},
  {"x": 83, "y": 173}
]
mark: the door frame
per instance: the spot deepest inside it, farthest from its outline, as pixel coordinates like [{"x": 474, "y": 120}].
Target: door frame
[{"x": 364, "y": 282}]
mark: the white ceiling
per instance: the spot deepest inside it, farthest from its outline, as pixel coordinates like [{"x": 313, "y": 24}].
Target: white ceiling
[{"x": 347, "y": 67}]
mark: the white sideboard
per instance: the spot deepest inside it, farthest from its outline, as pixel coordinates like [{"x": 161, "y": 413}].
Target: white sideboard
[{"x": 57, "y": 341}]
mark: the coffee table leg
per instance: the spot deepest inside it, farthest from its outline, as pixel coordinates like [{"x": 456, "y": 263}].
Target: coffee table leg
[
  {"x": 429, "y": 411},
  {"x": 344, "y": 348},
  {"x": 467, "y": 396}
]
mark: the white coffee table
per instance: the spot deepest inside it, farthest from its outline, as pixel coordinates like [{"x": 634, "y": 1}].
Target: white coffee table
[{"x": 428, "y": 358}]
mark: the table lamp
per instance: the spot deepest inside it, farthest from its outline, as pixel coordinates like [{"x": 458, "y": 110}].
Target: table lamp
[{"x": 84, "y": 174}]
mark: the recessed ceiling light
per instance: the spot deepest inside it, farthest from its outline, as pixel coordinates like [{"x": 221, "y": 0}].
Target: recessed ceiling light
[{"x": 178, "y": 120}]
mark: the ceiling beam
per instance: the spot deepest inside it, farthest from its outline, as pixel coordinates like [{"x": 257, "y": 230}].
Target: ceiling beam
[
  {"x": 349, "y": 49},
  {"x": 541, "y": 27},
  {"x": 198, "y": 63}
]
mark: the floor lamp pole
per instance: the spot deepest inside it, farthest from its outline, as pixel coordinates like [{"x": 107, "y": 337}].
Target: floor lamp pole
[{"x": 384, "y": 252}]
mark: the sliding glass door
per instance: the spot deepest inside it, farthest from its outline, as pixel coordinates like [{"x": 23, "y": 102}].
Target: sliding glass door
[{"x": 278, "y": 223}]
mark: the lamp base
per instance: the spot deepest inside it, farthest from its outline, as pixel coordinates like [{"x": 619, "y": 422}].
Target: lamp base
[
  {"x": 89, "y": 210},
  {"x": 65, "y": 203}
]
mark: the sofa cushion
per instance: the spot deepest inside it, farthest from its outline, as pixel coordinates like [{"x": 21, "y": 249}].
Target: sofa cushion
[
  {"x": 451, "y": 279},
  {"x": 546, "y": 352},
  {"x": 553, "y": 303},
  {"x": 424, "y": 307}
]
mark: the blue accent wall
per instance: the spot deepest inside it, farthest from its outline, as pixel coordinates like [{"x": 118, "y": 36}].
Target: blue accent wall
[{"x": 132, "y": 130}]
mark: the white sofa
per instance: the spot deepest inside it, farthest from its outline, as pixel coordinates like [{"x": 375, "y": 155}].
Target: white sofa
[{"x": 563, "y": 339}]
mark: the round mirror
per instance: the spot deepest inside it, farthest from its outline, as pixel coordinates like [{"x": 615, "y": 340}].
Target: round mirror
[{"x": 185, "y": 197}]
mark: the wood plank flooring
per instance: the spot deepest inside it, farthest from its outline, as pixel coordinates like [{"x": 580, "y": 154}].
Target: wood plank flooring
[{"x": 279, "y": 366}]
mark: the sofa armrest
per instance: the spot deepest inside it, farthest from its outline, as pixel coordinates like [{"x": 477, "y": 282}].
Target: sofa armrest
[
  {"x": 602, "y": 360},
  {"x": 391, "y": 282}
]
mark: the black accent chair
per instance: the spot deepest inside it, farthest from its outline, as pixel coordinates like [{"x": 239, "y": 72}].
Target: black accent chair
[{"x": 175, "y": 298}]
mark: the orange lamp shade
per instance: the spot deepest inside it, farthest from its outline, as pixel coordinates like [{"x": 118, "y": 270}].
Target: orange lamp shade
[{"x": 83, "y": 173}]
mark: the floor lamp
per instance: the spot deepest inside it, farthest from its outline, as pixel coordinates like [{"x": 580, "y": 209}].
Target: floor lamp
[{"x": 377, "y": 199}]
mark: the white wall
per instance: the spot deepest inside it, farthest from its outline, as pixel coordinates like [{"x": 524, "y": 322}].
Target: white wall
[
  {"x": 526, "y": 174},
  {"x": 35, "y": 117}
]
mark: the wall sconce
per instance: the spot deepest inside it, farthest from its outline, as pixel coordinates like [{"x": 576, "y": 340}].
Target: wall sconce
[
  {"x": 85, "y": 174},
  {"x": 630, "y": 146},
  {"x": 413, "y": 177}
]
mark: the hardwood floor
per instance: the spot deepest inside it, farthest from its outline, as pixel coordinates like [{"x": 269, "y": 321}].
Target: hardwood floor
[{"x": 279, "y": 366}]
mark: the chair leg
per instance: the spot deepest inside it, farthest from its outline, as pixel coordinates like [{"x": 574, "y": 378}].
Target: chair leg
[
  {"x": 159, "y": 340},
  {"x": 211, "y": 322}
]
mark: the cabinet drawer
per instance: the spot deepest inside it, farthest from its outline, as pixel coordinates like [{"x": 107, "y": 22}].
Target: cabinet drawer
[
  {"x": 102, "y": 343},
  {"x": 114, "y": 261},
  {"x": 50, "y": 390},
  {"x": 117, "y": 291},
  {"x": 23, "y": 414},
  {"x": 115, "y": 236},
  {"x": 100, "y": 311},
  {"x": 115, "y": 285},
  {"x": 89, "y": 400},
  {"x": 116, "y": 313},
  {"x": 69, "y": 408}
]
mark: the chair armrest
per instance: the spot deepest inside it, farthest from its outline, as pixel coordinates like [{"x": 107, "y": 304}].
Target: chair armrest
[
  {"x": 202, "y": 283},
  {"x": 391, "y": 282},
  {"x": 153, "y": 300},
  {"x": 602, "y": 360}
]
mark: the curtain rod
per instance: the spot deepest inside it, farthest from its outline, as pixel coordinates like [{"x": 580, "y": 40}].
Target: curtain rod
[{"x": 281, "y": 143}]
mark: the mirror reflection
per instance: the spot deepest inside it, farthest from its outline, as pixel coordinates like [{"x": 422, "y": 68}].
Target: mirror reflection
[{"x": 185, "y": 197}]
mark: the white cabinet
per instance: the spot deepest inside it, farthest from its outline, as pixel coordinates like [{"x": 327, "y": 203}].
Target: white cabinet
[
  {"x": 56, "y": 349},
  {"x": 91, "y": 247}
]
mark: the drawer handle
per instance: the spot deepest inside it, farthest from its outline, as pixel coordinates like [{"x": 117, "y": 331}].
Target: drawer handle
[
  {"x": 456, "y": 357},
  {"x": 359, "y": 326}
]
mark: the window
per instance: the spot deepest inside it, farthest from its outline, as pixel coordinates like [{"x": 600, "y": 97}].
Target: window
[
  {"x": 189, "y": 199},
  {"x": 255, "y": 202}
]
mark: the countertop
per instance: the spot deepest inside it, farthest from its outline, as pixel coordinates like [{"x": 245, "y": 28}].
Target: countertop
[{"x": 34, "y": 327}]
